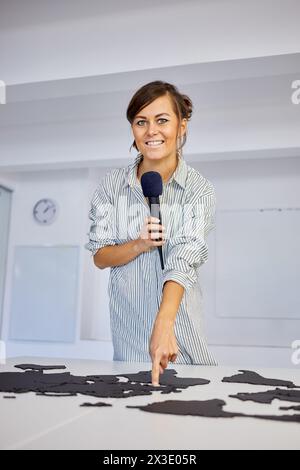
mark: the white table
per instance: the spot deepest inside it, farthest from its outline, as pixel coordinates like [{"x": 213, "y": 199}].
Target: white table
[{"x": 38, "y": 422}]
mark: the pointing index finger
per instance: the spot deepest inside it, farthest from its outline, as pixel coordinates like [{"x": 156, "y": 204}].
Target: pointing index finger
[{"x": 155, "y": 371}]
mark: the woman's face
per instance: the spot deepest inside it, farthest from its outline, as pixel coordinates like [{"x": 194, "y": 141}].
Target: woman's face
[{"x": 155, "y": 129}]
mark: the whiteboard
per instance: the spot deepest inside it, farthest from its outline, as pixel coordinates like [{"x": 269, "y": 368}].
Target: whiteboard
[
  {"x": 258, "y": 263},
  {"x": 44, "y": 293}
]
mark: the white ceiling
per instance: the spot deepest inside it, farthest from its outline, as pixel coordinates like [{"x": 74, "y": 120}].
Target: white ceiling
[{"x": 23, "y": 14}]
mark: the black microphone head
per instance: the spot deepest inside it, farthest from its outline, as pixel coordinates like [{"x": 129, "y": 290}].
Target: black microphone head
[{"x": 151, "y": 182}]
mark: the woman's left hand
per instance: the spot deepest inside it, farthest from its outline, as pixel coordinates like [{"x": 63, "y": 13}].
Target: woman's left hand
[{"x": 163, "y": 346}]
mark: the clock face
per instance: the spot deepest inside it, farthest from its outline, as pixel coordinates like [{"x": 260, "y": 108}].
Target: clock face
[{"x": 45, "y": 211}]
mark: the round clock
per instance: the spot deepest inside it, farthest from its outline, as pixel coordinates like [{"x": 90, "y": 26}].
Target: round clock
[{"x": 45, "y": 211}]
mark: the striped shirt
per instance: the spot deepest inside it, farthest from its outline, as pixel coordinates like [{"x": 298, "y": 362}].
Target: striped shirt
[{"x": 118, "y": 212}]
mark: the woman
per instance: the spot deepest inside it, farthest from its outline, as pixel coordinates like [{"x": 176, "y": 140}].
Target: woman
[{"x": 153, "y": 311}]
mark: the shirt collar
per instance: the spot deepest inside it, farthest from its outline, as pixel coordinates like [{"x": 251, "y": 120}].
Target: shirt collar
[{"x": 179, "y": 175}]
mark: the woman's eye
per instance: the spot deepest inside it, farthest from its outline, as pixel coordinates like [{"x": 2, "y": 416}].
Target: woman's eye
[{"x": 142, "y": 121}]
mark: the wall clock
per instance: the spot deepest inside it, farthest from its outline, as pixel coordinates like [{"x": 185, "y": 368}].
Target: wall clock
[{"x": 45, "y": 211}]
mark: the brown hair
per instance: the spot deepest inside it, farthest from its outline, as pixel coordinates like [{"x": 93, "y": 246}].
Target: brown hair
[{"x": 182, "y": 104}]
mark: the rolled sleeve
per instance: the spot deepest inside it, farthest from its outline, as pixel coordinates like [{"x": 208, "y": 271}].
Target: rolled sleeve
[
  {"x": 103, "y": 227},
  {"x": 188, "y": 249}
]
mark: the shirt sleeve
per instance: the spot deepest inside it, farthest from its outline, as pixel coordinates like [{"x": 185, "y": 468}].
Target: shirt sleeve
[
  {"x": 102, "y": 214},
  {"x": 188, "y": 248}
]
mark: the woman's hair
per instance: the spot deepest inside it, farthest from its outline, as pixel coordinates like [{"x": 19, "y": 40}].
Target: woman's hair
[{"x": 182, "y": 104}]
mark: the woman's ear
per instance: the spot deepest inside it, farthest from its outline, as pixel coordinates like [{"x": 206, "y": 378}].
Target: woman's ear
[{"x": 183, "y": 127}]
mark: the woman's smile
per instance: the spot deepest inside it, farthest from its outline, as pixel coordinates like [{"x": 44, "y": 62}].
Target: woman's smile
[{"x": 154, "y": 143}]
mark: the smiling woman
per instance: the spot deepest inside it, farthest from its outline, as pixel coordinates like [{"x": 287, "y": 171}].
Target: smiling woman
[{"x": 155, "y": 314}]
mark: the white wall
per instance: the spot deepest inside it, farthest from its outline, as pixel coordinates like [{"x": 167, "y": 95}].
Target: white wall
[{"x": 266, "y": 337}]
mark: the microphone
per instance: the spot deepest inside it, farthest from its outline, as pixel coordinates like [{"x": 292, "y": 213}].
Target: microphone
[{"x": 152, "y": 187}]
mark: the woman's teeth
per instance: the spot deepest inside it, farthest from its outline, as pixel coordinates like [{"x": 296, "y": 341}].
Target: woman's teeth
[{"x": 155, "y": 143}]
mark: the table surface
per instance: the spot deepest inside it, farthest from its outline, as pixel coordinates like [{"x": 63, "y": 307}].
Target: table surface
[{"x": 38, "y": 422}]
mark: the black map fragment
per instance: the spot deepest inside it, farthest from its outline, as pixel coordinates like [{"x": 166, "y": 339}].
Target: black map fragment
[
  {"x": 37, "y": 367},
  {"x": 269, "y": 395},
  {"x": 101, "y": 386},
  {"x": 99, "y": 403},
  {"x": 50, "y": 394},
  {"x": 253, "y": 378},
  {"x": 208, "y": 408},
  {"x": 296, "y": 408},
  {"x": 168, "y": 379},
  {"x": 65, "y": 383}
]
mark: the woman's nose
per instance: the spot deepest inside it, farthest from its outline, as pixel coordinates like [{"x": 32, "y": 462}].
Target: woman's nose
[{"x": 152, "y": 128}]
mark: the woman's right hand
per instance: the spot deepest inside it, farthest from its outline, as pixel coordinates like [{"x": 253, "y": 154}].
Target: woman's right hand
[{"x": 150, "y": 233}]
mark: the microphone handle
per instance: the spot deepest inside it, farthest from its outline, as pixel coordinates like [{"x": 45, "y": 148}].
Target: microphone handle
[{"x": 155, "y": 212}]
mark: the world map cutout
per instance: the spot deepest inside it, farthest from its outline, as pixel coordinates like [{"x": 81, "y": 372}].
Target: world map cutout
[
  {"x": 64, "y": 384},
  {"x": 33, "y": 379}
]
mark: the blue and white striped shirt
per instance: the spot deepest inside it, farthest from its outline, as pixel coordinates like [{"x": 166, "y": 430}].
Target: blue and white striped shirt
[{"x": 118, "y": 211}]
